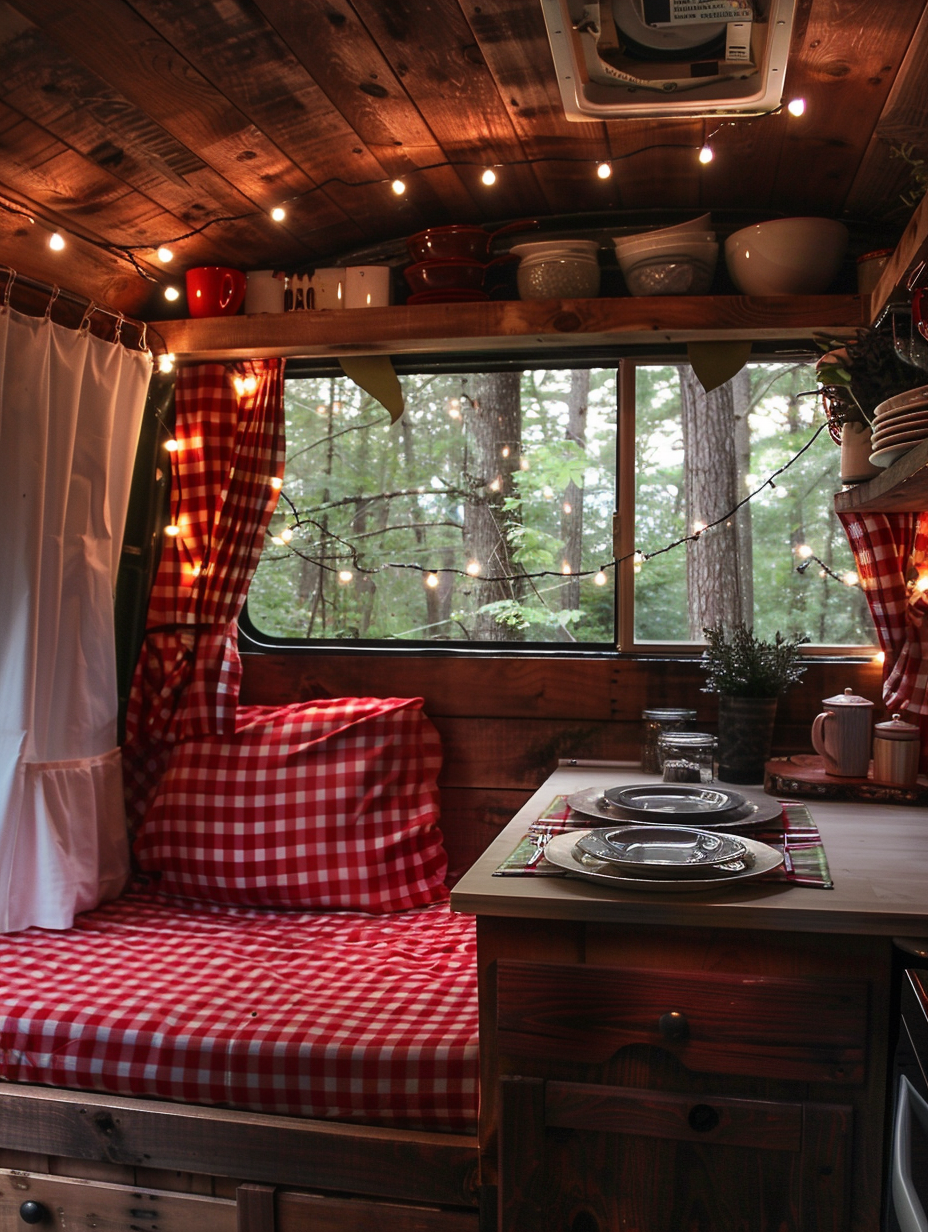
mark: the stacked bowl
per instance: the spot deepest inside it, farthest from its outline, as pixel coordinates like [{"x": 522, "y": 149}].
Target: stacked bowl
[
  {"x": 449, "y": 264},
  {"x": 678, "y": 260},
  {"x": 558, "y": 269},
  {"x": 786, "y": 256},
  {"x": 899, "y": 424}
]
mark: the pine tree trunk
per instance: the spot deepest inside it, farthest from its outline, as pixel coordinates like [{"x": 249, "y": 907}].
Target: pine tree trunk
[
  {"x": 572, "y": 513},
  {"x": 493, "y": 416}
]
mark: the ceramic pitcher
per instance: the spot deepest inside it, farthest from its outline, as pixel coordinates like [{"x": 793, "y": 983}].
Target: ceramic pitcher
[{"x": 842, "y": 735}]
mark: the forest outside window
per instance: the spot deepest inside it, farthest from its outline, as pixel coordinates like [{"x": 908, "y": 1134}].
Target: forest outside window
[{"x": 485, "y": 516}]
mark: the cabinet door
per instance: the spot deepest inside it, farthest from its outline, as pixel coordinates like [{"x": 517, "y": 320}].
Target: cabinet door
[{"x": 578, "y": 1157}]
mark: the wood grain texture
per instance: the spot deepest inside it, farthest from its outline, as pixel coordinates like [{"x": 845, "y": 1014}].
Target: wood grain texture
[
  {"x": 406, "y": 1164},
  {"x": 300, "y": 1212},
  {"x": 498, "y": 326},
  {"x": 902, "y": 487},
  {"x": 809, "y": 1030}
]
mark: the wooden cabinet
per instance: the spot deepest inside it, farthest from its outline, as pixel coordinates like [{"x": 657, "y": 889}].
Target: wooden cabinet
[{"x": 660, "y": 1100}]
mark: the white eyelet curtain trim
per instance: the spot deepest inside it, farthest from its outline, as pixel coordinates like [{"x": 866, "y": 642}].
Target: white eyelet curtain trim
[{"x": 70, "y": 409}]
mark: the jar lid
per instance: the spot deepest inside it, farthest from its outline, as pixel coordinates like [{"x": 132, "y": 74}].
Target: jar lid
[
  {"x": 847, "y": 698},
  {"x": 668, "y": 713},
  {"x": 897, "y": 728},
  {"x": 877, "y": 252},
  {"x": 694, "y": 739}
]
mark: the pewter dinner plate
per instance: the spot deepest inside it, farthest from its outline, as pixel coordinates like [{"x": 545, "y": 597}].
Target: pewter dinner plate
[
  {"x": 561, "y": 852},
  {"x": 684, "y": 800},
  {"x": 666, "y": 851},
  {"x": 592, "y": 803}
]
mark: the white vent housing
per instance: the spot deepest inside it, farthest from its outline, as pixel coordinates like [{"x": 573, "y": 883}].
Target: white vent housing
[{"x": 630, "y": 59}]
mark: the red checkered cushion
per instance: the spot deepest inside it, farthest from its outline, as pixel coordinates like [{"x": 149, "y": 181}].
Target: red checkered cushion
[
  {"x": 345, "y": 1016},
  {"x": 332, "y": 804}
]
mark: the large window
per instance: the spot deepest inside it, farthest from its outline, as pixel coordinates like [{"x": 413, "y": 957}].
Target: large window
[{"x": 485, "y": 515}]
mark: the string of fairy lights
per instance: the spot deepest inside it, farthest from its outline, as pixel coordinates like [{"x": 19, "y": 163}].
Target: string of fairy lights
[
  {"x": 474, "y": 571},
  {"x": 162, "y": 250}
]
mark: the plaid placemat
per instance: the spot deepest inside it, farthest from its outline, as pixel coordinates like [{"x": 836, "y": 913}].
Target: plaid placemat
[{"x": 795, "y": 834}]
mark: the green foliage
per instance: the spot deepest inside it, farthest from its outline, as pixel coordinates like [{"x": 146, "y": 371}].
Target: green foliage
[{"x": 738, "y": 664}]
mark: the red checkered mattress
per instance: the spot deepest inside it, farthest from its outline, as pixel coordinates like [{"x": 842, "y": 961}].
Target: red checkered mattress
[{"x": 343, "y": 1016}]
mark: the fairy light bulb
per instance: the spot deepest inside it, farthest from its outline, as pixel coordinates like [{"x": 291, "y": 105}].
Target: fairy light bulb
[
  {"x": 804, "y": 552},
  {"x": 567, "y": 507},
  {"x": 172, "y": 530},
  {"x": 604, "y": 171},
  {"x": 276, "y": 483},
  {"x": 488, "y": 177},
  {"x": 172, "y": 445},
  {"x": 56, "y": 241},
  {"x": 398, "y": 187},
  {"x": 345, "y": 576},
  {"x": 432, "y": 580},
  {"x": 164, "y": 254},
  {"x": 796, "y": 106},
  {"x": 698, "y": 527},
  {"x": 566, "y": 569},
  {"x": 879, "y": 658},
  {"x": 166, "y": 361},
  {"x": 706, "y": 155},
  {"x": 922, "y": 583},
  {"x": 600, "y": 579},
  {"x": 547, "y": 493},
  {"x": 239, "y": 385},
  {"x": 504, "y": 452},
  {"x": 171, "y": 294},
  {"x": 277, "y": 541},
  {"x": 473, "y": 568},
  {"x": 850, "y": 578},
  {"x": 286, "y": 534},
  {"x": 278, "y": 213}
]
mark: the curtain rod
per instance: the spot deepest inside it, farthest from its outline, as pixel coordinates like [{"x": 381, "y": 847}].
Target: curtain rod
[{"x": 90, "y": 306}]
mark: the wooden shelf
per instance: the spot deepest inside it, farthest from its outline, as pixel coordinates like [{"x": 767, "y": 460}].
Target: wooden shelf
[
  {"x": 512, "y": 325},
  {"x": 901, "y": 488}
]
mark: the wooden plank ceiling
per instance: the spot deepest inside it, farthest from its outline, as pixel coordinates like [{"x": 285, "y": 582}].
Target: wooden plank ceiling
[{"x": 126, "y": 124}]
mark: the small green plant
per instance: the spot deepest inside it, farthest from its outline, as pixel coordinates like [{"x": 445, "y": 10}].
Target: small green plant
[
  {"x": 918, "y": 172},
  {"x": 738, "y": 664}
]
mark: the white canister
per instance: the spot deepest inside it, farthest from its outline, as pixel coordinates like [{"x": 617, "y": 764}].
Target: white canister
[
  {"x": 329, "y": 287},
  {"x": 367, "y": 286},
  {"x": 897, "y": 748},
  {"x": 264, "y": 291},
  {"x": 842, "y": 734}
]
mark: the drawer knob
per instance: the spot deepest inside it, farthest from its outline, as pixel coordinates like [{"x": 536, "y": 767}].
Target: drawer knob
[
  {"x": 703, "y": 1118},
  {"x": 33, "y": 1212},
  {"x": 673, "y": 1027}
]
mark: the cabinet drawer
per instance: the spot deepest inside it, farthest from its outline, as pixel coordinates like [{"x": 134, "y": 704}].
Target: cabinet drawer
[
  {"x": 71, "y": 1203},
  {"x": 809, "y": 1029}
]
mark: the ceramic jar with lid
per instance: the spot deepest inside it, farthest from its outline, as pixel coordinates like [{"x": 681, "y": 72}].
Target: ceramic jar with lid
[
  {"x": 896, "y": 752},
  {"x": 842, "y": 733}
]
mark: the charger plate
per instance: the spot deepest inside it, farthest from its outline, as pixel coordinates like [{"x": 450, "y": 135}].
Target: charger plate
[
  {"x": 592, "y": 803},
  {"x": 559, "y": 851}
]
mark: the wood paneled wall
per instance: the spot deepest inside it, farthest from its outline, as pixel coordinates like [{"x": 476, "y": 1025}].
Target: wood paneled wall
[{"x": 505, "y": 720}]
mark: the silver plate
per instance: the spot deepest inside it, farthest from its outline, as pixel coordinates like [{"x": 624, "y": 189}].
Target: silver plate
[
  {"x": 665, "y": 851},
  {"x": 755, "y": 812},
  {"x": 688, "y": 800},
  {"x": 560, "y": 852}
]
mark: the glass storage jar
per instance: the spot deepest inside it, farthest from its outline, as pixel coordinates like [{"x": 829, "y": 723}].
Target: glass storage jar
[
  {"x": 658, "y": 720},
  {"x": 688, "y": 756}
]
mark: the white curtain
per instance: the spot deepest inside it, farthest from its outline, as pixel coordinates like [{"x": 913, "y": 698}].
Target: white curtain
[{"x": 70, "y": 409}]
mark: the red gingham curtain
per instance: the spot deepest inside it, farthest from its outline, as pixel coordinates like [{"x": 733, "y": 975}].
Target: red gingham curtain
[
  {"x": 891, "y": 551},
  {"x": 226, "y": 477}
]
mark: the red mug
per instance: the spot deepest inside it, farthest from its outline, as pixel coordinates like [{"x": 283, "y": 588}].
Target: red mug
[{"x": 215, "y": 291}]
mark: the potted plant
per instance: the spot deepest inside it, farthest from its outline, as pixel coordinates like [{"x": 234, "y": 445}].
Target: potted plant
[
  {"x": 854, "y": 377},
  {"x": 748, "y": 674}
]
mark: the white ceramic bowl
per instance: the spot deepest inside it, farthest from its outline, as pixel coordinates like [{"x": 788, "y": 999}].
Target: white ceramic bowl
[
  {"x": 556, "y": 248},
  {"x": 786, "y": 256},
  {"x": 687, "y": 272},
  {"x": 679, "y": 241},
  {"x": 551, "y": 277},
  {"x": 703, "y": 223}
]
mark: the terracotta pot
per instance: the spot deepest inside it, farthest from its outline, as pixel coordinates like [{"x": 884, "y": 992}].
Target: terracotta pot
[{"x": 745, "y": 737}]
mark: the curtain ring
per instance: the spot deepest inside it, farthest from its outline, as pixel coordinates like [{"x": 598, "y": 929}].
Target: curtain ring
[
  {"x": 143, "y": 337},
  {"x": 84, "y": 327},
  {"x": 8, "y": 291},
  {"x": 56, "y": 291}
]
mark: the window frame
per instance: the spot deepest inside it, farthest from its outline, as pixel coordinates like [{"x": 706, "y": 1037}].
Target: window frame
[{"x": 626, "y": 646}]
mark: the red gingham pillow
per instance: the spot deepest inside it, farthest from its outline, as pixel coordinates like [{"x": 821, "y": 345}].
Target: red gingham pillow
[{"x": 329, "y": 804}]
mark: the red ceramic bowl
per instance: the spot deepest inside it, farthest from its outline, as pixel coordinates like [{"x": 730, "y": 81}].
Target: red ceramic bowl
[
  {"x": 454, "y": 243},
  {"x": 444, "y": 276}
]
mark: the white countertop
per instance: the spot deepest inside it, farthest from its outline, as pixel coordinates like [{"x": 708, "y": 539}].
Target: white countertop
[{"x": 877, "y": 854}]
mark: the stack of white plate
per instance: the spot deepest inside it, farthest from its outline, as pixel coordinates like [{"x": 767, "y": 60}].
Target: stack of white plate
[{"x": 899, "y": 424}]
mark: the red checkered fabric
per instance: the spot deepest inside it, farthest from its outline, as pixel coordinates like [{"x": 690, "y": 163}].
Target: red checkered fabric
[
  {"x": 229, "y": 429},
  {"x": 329, "y": 804},
  {"x": 341, "y": 1016},
  {"x": 891, "y": 552}
]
